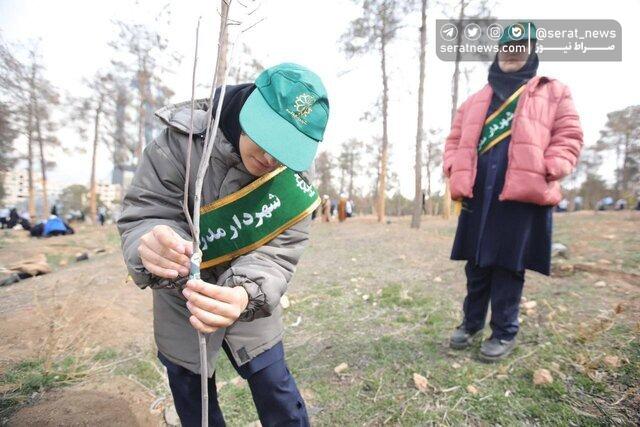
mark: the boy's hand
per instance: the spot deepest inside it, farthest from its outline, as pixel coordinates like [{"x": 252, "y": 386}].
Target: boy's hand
[
  {"x": 214, "y": 307},
  {"x": 164, "y": 253}
]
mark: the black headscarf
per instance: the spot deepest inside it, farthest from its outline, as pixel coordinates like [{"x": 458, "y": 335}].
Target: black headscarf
[
  {"x": 504, "y": 84},
  {"x": 234, "y": 98}
]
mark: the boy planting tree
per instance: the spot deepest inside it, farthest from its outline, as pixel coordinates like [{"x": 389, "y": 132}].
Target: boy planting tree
[{"x": 254, "y": 227}]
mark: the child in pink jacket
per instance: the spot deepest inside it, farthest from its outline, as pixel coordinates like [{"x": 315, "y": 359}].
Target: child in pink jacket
[{"x": 509, "y": 146}]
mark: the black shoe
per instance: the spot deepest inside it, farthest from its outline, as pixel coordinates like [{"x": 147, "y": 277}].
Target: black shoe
[
  {"x": 495, "y": 349},
  {"x": 461, "y": 338}
]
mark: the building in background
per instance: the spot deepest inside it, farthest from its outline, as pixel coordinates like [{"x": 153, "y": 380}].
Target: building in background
[
  {"x": 110, "y": 194},
  {"x": 16, "y": 187}
]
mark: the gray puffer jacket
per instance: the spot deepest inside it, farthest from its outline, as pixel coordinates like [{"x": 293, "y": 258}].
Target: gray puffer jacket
[{"x": 155, "y": 197}]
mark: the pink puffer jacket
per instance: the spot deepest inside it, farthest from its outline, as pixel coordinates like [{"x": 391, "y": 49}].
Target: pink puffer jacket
[{"x": 546, "y": 140}]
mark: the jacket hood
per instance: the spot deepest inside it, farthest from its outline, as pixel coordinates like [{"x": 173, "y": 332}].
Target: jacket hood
[{"x": 178, "y": 116}]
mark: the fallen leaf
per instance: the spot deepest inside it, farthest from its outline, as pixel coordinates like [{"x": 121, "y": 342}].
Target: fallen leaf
[
  {"x": 237, "y": 381},
  {"x": 530, "y": 312},
  {"x": 297, "y": 322},
  {"x": 284, "y": 302},
  {"x": 365, "y": 297},
  {"x": 600, "y": 284},
  {"x": 612, "y": 361},
  {"x": 472, "y": 389},
  {"x": 420, "y": 382},
  {"x": 542, "y": 377},
  {"x": 404, "y": 295},
  {"x": 529, "y": 305},
  {"x": 507, "y": 393},
  {"x": 562, "y": 309},
  {"x": 456, "y": 365},
  {"x": 619, "y": 308},
  {"x": 437, "y": 279},
  {"x": 340, "y": 368}
]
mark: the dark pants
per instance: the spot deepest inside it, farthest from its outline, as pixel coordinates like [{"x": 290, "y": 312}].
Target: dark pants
[
  {"x": 273, "y": 388},
  {"x": 501, "y": 287}
]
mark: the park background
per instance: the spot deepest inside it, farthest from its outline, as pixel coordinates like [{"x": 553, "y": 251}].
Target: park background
[{"x": 371, "y": 293}]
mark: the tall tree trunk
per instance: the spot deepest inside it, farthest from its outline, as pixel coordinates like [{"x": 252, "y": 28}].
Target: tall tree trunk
[
  {"x": 93, "y": 208},
  {"x": 418, "y": 198},
  {"x": 43, "y": 166},
  {"x": 143, "y": 81},
  {"x": 382, "y": 182},
  {"x": 224, "y": 41},
  {"x": 446, "y": 200},
  {"x": 32, "y": 192},
  {"x": 429, "y": 207},
  {"x": 351, "y": 174}
]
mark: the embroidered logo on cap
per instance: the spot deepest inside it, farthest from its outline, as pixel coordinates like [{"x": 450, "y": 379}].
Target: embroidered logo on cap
[{"x": 303, "y": 107}]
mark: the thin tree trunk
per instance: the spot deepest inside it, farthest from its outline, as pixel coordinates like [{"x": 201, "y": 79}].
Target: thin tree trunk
[
  {"x": 351, "y": 174},
  {"x": 446, "y": 200},
  {"x": 142, "y": 117},
  {"x": 417, "y": 201},
  {"x": 32, "y": 193},
  {"x": 429, "y": 201},
  {"x": 224, "y": 41},
  {"x": 382, "y": 182},
  {"x": 43, "y": 166},
  {"x": 93, "y": 208}
]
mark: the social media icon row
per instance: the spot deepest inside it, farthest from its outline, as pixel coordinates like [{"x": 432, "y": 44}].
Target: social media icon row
[{"x": 472, "y": 31}]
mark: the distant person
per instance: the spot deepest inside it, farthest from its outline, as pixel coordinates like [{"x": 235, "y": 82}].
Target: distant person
[
  {"x": 25, "y": 220},
  {"x": 102, "y": 215},
  {"x": 506, "y": 173},
  {"x": 326, "y": 208},
  {"x": 578, "y": 201},
  {"x": 349, "y": 208},
  {"x": 605, "y": 203},
  {"x": 563, "y": 206},
  {"x": 14, "y": 218},
  {"x": 4, "y": 217},
  {"x": 342, "y": 207}
]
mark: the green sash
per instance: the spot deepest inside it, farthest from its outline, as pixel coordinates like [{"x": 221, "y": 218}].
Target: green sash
[
  {"x": 498, "y": 125},
  {"x": 254, "y": 215}
]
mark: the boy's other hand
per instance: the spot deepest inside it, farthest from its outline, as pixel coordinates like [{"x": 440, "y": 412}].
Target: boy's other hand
[
  {"x": 212, "y": 306},
  {"x": 164, "y": 253}
]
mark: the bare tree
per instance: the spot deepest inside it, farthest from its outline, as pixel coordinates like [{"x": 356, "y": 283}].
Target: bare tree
[
  {"x": 324, "y": 166},
  {"x": 89, "y": 112},
  {"x": 432, "y": 162},
  {"x": 246, "y": 67},
  {"x": 143, "y": 52},
  {"x": 375, "y": 29},
  {"x": 7, "y": 135},
  {"x": 418, "y": 197},
  {"x": 621, "y": 136},
  {"x": 221, "y": 65},
  {"x": 349, "y": 163}
]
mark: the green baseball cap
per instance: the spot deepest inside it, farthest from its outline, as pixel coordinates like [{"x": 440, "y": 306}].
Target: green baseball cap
[
  {"x": 518, "y": 31},
  {"x": 286, "y": 114}
]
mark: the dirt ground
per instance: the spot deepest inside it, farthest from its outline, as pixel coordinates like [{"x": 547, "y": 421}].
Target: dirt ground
[{"x": 76, "y": 345}]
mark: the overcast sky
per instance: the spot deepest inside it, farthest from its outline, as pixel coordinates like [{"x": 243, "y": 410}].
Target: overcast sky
[{"x": 74, "y": 36}]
